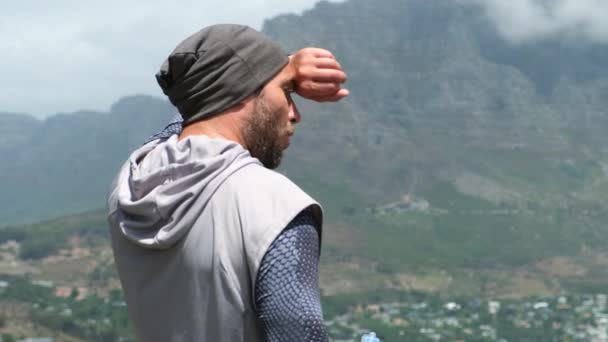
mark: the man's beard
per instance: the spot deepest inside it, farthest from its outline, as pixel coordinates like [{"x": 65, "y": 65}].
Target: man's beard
[{"x": 262, "y": 134}]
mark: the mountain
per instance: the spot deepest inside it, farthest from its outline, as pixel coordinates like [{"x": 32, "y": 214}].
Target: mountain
[
  {"x": 65, "y": 163},
  {"x": 457, "y": 149},
  {"x": 436, "y": 79},
  {"x": 505, "y": 141}
]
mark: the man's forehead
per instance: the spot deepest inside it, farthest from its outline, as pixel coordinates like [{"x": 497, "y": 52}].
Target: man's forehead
[{"x": 286, "y": 75}]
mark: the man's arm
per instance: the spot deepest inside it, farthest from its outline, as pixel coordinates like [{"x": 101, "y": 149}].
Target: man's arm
[
  {"x": 287, "y": 292},
  {"x": 173, "y": 127},
  {"x": 318, "y": 77}
]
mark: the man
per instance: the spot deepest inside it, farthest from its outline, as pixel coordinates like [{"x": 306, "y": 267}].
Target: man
[{"x": 210, "y": 244}]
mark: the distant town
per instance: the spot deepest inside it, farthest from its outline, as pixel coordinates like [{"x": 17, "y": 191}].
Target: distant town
[
  {"x": 562, "y": 318},
  {"x": 419, "y": 317}
]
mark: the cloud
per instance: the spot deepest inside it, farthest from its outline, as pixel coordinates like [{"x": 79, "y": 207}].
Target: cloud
[
  {"x": 522, "y": 21},
  {"x": 66, "y": 55}
]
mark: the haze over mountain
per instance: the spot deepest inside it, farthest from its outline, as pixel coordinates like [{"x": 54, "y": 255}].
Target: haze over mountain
[
  {"x": 505, "y": 141},
  {"x": 64, "y": 164}
]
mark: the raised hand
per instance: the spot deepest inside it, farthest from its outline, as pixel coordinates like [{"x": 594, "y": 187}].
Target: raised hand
[{"x": 318, "y": 75}]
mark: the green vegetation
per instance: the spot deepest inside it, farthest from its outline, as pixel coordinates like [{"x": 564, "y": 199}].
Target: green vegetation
[
  {"x": 338, "y": 200},
  {"x": 445, "y": 196},
  {"x": 92, "y": 318},
  {"x": 469, "y": 233},
  {"x": 454, "y": 240},
  {"x": 43, "y": 239}
]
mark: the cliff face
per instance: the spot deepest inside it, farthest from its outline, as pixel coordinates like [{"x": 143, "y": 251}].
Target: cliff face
[{"x": 435, "y": 88}]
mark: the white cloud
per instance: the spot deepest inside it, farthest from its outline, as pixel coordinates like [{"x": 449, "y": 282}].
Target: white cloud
[
  {"x": 529, "y": 20},
  {"x": 65, "y": 55}
]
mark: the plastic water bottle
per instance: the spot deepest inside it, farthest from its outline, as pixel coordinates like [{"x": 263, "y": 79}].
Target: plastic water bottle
[{"x": 371, "y": 337}]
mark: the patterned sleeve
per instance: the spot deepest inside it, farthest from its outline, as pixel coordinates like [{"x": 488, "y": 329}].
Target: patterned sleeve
[
  {"x": 287, "y": 286},
  {"x": 173, "y": 127}
]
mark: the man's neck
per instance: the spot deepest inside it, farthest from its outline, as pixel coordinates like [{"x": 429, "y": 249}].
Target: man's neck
[{"x": 224, "y": 127}]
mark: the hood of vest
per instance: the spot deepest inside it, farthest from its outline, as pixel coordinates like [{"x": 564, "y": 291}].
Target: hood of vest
[{"x": 165, "y": 185}]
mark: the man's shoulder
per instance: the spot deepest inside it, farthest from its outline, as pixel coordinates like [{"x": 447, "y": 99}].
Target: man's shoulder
[
  {"x": 255, "y": 176},
  {"x": 255, "y": 183}
]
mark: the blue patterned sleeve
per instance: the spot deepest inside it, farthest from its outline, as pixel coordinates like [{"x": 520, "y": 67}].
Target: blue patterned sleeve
[
  {"x": 287, "y": 292},
  {"x": 173, "y": 127}
]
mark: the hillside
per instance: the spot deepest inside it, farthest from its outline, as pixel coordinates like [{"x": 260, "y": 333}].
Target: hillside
[
  {"x": 461, "y": 165},
  {"x": 504, "y": 142},
  {"x": 456, "y": 151},
  {"x": 65, "y": 163},
  {"x": 441, "y": 97}
]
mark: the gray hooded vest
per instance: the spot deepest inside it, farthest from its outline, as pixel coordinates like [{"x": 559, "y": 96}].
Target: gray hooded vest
[{"x": 190, "y": 222}]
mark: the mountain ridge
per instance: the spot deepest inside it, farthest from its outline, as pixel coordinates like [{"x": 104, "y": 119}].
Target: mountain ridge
[{"x": 512, "y": 165}]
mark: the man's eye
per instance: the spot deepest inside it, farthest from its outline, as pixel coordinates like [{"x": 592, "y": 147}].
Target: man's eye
[{"x": 290, "y": 88}]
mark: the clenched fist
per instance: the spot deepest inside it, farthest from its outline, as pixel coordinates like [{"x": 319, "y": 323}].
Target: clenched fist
[{"x": 318, "y": 75}]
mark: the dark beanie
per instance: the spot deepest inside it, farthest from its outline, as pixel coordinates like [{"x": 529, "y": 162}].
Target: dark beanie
[{"x": 217, "y": 67}]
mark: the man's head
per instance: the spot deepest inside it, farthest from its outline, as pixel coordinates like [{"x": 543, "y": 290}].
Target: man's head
[
  {"x": 218, "y": 67},
  {"x": 268, "y": 126},
  {"x": 233, "y": 76}
]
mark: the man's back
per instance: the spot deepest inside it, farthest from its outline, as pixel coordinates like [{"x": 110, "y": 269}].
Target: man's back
[{"x": 197, "y": 285}]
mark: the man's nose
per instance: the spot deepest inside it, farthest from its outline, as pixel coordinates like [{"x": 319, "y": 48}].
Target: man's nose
[{"x": 294, "y": 113}]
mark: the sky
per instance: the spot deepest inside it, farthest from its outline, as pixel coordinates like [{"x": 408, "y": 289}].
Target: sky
[
  {"x": 69, "y": 55},
  {"x": 527, "y": 21}
]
